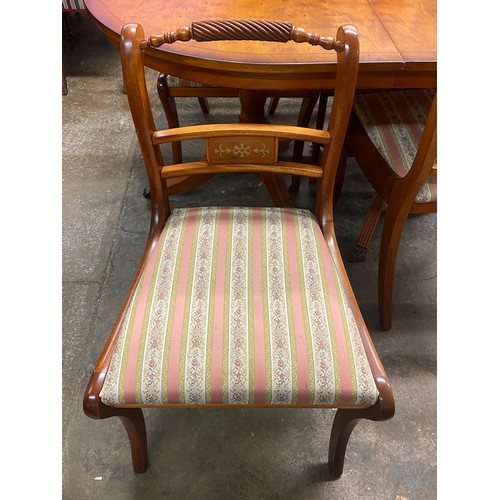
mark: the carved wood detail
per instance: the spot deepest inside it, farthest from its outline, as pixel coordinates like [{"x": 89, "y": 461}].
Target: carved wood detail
[{"x": 260, "y": 30}]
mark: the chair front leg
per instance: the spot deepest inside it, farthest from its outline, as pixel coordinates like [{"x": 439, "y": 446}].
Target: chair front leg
[
  {"x": 133, "y": 421},
  {"x": 131, "y": 418},
  {"x": 343, "y": 424}
]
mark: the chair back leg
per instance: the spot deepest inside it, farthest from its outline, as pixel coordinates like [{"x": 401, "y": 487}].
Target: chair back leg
[
  {"x": 170, "y": 110},
  {"x": 205, "y": 107},
  {"x": 273, "y": 105}
]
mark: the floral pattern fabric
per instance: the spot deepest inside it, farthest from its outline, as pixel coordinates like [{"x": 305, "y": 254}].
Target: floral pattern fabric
[
  {"x": 394, "y": 122},
  {"x": 240, "y": 306}
]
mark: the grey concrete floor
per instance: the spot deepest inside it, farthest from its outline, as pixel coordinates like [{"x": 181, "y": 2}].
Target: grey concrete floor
[{"x": 219, "y": 454}]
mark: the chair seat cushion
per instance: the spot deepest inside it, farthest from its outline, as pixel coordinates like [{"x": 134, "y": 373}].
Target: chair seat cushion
[
  {"x": 174, "y": 81},
  {"x": 394, "y": 122},
  {"x": 240, "y": 306},
  {"x": 73, "y": 5}
]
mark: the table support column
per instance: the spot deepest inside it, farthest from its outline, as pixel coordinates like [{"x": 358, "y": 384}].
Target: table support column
[{"x": 253, "y": 111}]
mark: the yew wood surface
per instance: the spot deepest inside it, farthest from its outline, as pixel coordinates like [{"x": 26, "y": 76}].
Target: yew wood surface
[
  {"x": 397, "y": 40},
  {"x": 413, "y": 29}
]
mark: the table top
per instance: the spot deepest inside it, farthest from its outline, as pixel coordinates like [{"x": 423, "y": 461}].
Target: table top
[{"x": 397, "y": 41}]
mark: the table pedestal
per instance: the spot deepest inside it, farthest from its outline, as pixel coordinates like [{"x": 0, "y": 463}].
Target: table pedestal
[{"x": 253, "y": 111}]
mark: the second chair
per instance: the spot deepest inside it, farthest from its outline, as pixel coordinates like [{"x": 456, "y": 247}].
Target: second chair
[{"x": 392, "y": 135}]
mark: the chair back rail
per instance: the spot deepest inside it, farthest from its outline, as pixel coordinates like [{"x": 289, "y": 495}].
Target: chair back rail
[
  {"x": 258, "y": 30},
  {"x": 241, "y": 130},
  {"x": 199, "y": 168}
]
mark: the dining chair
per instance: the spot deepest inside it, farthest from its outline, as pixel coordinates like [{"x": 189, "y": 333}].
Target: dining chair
[
  {"x": 236, "y": 307},
  {"x": 69, "y": 7},
  {"x": 393, "y": 137}
]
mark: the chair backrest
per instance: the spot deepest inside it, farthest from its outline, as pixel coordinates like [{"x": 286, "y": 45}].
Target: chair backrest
[
  {"x": 424, "y": 164},
  {"x": 393, "y": 136},
  {"x": 426, "y": 158},
  {"x": 239, "y": 147}
]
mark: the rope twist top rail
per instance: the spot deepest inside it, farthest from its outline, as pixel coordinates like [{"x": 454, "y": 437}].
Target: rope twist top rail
[
  {"x": 272, "y": 31},
  {"x": 259, "y": 30}
]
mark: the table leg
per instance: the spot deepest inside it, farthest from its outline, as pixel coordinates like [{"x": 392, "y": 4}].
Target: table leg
[
  {"x": 252, "y": 111},
  {"x": 252, "y": 106}
]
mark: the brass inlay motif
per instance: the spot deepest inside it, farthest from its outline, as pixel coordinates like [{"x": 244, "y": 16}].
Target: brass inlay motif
[
  {"x": 242, "y": 150},
  {"x": 225, "y": 150}
]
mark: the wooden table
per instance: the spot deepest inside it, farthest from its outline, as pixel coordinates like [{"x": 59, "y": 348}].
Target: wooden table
[{"x": 397, "y": 43}]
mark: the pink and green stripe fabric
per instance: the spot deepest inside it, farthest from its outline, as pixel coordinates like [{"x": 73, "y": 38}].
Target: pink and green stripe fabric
[
  {"x": 73, "y": 5},
  {"x": 240, "y": 306},
  {"x": 174, "y": 81},
  {"x": 394, "y": 122}
]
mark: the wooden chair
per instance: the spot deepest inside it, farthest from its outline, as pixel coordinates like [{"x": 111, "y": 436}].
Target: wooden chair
[
  {"x": 68, "y": 7},
  {"x": 392, "y": 135},
  {"x": 237, "y": 306}
]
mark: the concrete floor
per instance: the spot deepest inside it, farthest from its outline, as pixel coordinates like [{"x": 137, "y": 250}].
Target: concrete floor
[{"x": 223, "y": 454}]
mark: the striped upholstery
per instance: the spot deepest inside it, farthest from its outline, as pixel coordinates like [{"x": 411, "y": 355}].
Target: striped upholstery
[
  {"x": 71, "y": 5},
  {"x": 239, "y": 306},
  {"x": 174, "y": 81},
  {"x": 394, "y": 122}
]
